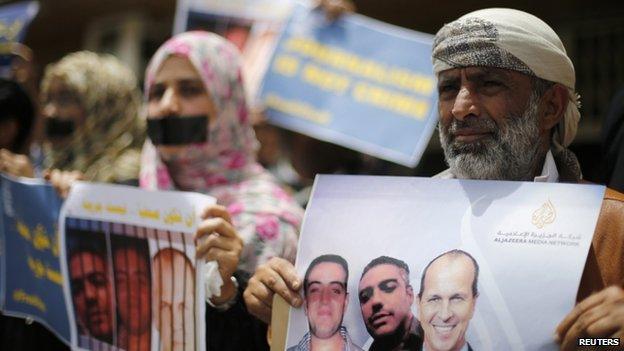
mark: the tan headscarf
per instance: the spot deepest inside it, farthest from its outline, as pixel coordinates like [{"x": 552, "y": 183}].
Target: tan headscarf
[
  {"x": 107, "y": 147},
  {"x": 514, "y": 40}
]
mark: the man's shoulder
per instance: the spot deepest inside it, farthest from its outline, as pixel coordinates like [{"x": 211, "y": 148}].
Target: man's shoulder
[
  {"x": 614, "y": 196},
  {"x": 352, "y": 346},
  {"x": 603, "y": 267},
  {"x": 613, "y": 208}
]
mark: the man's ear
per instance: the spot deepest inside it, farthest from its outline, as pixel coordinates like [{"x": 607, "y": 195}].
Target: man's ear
[
  {"x": 344, "y": 310},
  {"x": 410, "y": 293},
  {"x": 553, "y": 105}
]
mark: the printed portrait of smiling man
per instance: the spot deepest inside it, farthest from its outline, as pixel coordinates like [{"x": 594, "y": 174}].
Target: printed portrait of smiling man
[
  {"x": 446, "y": 301},
  {"x": 325, "y": 302},
  {"x": 386, "y": 297}
]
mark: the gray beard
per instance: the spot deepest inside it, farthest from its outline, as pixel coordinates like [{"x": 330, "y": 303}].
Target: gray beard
[{"x": 506, "y": 155}]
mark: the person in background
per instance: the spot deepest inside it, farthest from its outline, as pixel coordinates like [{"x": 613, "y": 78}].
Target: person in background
[
  {"x": 201, "y": 139},
  {"x": 90, "y": 107},
  {"x": 613, "y": 144},
  {"x": 17, "y": 117}
]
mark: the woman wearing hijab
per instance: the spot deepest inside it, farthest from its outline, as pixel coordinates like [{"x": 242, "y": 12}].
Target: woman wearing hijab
[
  {"x": 201, "y": 139},
  {"x": 90, "y": 106}
]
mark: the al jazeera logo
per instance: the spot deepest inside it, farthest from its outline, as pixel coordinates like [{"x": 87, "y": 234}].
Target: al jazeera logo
[{"x": 544, "y": 215}]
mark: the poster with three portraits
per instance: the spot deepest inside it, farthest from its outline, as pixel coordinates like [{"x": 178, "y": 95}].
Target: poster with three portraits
[
  {"x": 133, "y": 282},
  {"x": 432, "y": 264}
]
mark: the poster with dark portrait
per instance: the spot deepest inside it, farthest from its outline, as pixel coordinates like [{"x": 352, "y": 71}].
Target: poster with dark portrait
[
  {"x": 429, "y": 264},
  {"x": 134, "y": 283},
  {"x": 252, "y": 25}
]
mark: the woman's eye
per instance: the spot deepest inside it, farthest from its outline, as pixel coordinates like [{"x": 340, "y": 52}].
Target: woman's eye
[
  {"x": 189, "y": 91},
  {"x": 156, "y": 93}
]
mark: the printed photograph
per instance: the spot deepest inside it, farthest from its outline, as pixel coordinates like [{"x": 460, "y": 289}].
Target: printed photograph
[
  {"x": 91, "y": 283},
  {"x": 132, "y": 288},
  {"x": 392, "y": 263}
]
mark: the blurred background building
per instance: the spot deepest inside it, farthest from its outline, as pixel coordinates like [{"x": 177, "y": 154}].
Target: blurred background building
[{"x": 592, "y": 31}]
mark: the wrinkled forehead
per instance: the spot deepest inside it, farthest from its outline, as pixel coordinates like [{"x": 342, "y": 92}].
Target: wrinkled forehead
[{"x": 477, "y": 72}]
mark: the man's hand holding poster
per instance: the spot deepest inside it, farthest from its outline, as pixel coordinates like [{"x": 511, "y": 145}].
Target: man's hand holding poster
[{"x": 441, "y": 264}]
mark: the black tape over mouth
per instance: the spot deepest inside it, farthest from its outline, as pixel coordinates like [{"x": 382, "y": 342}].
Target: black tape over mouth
[
  {"x": 59, "y": 127},
  {"x": 178, "y": 130}
]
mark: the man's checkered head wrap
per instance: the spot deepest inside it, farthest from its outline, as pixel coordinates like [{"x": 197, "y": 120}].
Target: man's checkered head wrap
[{"x": 514, "y": 40}]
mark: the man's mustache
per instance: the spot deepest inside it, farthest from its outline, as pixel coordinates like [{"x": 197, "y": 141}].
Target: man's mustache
[{"x": 484, "y": 125}]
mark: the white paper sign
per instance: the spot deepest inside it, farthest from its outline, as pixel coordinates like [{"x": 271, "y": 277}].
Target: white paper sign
[
  {"x": 529, "y": 242},
  {"x": 133, "y": 280}
]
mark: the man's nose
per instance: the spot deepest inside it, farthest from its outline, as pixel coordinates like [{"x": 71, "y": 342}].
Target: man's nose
[
  {"x": 377, "y": 306},
  {"x": 376, "y": 302},
  {"x": 466, "y": 103},
  {"x": 445, "y": 313},
  {"x": 90, "y": 291},
  {"x": 325, "y": 296}
]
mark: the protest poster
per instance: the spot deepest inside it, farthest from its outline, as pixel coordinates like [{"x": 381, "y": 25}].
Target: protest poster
[
  {"x": 252, "y": 25},
  {"x": 30, "y": 272},
  {"x": 14, "y": 21},
  {"x": 355, "y": 82},
  {"x": 481, "y": 264},
  {"x": 129, "y": 256},
  {"x": 113, "y": 268}
]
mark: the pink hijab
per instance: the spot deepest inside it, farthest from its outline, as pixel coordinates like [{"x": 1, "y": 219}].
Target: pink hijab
[{"x": 225, "y": 167}]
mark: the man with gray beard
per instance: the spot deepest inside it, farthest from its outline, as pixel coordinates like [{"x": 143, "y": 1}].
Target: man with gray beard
[
  {"x": 507, "y": 154},
  {"x": 508, "y": 111}
]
